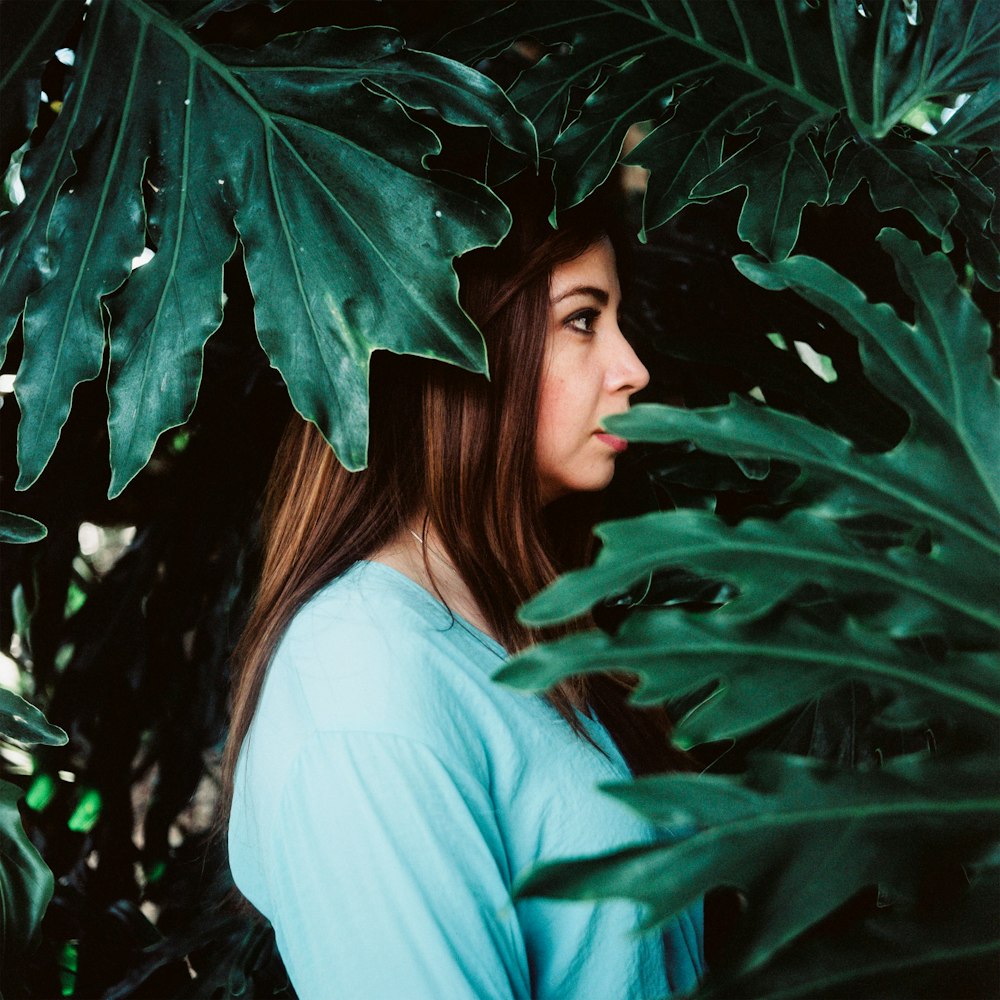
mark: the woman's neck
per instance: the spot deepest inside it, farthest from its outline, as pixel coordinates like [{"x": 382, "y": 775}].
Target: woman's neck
[{"x": 418, "y": 552}]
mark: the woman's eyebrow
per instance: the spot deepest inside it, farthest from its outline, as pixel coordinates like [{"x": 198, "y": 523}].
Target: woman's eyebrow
[{"x": 598, "y": 293}]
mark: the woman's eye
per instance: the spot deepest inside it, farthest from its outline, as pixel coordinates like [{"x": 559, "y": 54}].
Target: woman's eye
[{"x": 583, "y": 322}]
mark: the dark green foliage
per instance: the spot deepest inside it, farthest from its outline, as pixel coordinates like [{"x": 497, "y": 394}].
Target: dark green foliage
[
  {"x": 909, "y": 609},
  {"x": 25, "y": 880},
  {"x": 780, "y": 74},
  {"x": 136, "y": 159},
  {"x": 825, "y": 589}
]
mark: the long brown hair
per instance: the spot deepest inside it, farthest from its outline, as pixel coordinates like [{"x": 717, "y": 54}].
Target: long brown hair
[{"x": 461, "y": 448}]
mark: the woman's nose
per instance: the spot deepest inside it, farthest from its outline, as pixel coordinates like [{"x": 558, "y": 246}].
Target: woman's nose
[{"x": 627, "y": 372}]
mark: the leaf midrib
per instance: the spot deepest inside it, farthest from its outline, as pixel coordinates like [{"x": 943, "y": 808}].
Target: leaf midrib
[
  {"x": 701, "y": 645},
  {"x": 197, "y": 53},
  {"x": 687, "y": 552},
  {"x": 814, "y": 555},
  {"x": 178, "y": 240},
  {"x": 837, "y": 471},
  {"x": 756, "y": 824},
  {"x": 789, "y": 89}
]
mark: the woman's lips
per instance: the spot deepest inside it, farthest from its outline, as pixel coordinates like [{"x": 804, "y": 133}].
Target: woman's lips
[{"x": 615, "y": 443}]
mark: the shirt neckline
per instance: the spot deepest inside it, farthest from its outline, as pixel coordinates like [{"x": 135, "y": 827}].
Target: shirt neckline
[{"x": 477, "y": 633}]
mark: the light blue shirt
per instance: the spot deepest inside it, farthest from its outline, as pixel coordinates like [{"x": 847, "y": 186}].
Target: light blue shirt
[{"x": 389, "y": 793}]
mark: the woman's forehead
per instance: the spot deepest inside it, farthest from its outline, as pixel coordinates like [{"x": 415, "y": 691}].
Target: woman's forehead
[{"x": 592, "y": 271}]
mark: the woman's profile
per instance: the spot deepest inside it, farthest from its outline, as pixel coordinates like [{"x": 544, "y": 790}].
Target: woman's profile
[{"x": 385, "y": 792}]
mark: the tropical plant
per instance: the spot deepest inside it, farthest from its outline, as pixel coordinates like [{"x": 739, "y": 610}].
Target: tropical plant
[
  {"x": 25, "y": 880},
  {"x": 885, "y": 572},
  {"x": 847, "y": 527},
  {"x": 134, "y": 164},
  {"x": 798, "y": 81}
]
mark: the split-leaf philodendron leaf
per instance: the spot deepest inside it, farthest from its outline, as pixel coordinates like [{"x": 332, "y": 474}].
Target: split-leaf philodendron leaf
[
  {"x": 303, "y": 151},
  {"x": 764, "y": 673},
  {"x": 800, "y": 837},
  {"x": 917, "y": 620},
  {"x": 695, "y": 73}
]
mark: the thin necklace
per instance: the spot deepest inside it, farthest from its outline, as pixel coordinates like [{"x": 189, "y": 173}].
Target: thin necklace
[{"x": 471, "y": 629}]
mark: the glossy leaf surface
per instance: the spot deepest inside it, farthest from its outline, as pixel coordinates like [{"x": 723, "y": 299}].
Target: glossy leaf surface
[
  {"x": 694, "y": 73},
  {"x": 763, "y": 670},
  {"x": 296, "y": 147}
]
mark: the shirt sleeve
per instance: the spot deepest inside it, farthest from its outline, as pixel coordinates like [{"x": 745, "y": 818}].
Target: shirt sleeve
[{"x": 388, "y": 876}]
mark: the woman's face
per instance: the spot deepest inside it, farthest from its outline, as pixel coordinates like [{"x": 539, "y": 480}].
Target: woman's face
[{"x": 588, "y": 373}]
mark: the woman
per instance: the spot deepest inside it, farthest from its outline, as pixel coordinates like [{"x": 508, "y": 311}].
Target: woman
[{"x": 385, "y": 793}]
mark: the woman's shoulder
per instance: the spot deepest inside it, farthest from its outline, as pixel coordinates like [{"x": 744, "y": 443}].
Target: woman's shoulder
[
  {"x": 363, "y": 609},
  {"x": 374, "y": 610},
  {"x": 373, "y": 651}
]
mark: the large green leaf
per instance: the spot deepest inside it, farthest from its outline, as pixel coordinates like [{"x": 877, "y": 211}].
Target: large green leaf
[
  {"x": 303, "y": 148},
  {"x": 782, "y": 173},
  {"x": 943, "y": 477},
  {"x": 698, "y": 71},
  {"x": 903, "y": 549},
  {"x": 764, "y": 671},
  {"x": 25, "y": 885},
  {"x": 900, "y": 173},
  {"x": 905, "y": 591},
  {"x": 798, "y": 836}
]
